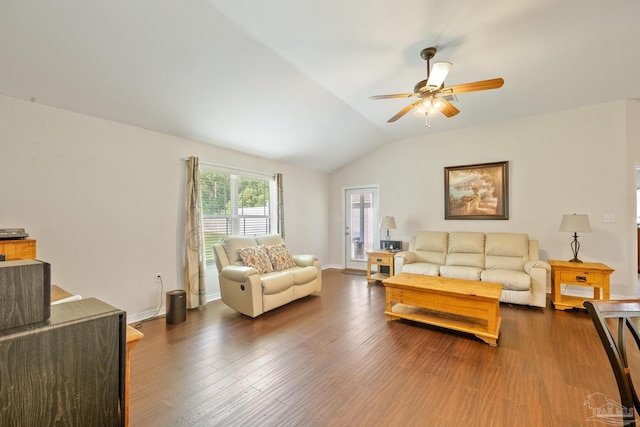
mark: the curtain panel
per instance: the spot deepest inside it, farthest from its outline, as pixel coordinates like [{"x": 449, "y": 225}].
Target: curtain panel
[{"x": 194, "y": 270}]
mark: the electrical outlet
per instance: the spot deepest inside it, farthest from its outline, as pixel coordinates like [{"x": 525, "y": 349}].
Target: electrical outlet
[{"x": 158, "y": 277}]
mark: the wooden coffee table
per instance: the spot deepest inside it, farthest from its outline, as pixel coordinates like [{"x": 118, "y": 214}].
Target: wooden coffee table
[{"x": 462, "y": 305}]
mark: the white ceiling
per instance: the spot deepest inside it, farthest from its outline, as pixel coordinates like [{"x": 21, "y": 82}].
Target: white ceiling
[{"x": 290, "y": 79}]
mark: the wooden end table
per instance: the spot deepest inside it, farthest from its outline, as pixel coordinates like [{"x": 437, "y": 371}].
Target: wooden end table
[
  {"x": 379, "y": 258},
  {"x": 589, "y": 274}
]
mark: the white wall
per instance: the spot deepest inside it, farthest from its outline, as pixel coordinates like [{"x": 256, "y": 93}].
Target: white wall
[
  {"x": 633, "y": 158},
  {"x": 575, "y": 161},
  {"x": 105, "y": 201}
]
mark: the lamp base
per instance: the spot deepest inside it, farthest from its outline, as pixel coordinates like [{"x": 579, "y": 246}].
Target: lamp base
[{"x": 575, "y": 247}]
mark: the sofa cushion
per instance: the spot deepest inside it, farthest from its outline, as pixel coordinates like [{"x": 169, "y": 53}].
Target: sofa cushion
[
  {"x": 504, "y": 263},
  {"x": 466, "y": 248},
  {"x": 269, "y": 239},
  {"x": 422, "y": 268},
  {"x": 460, "y": 272},
  {"x": 509, "y": 279},
  {"x": 507, "y": 244},
  {"x": 466, "y": 242},
  {"x": 280, "y": 257},
  {"x": 233, "y": 243},
  {"x": 256, "y": 257},
  {"x": 431, "y": 247},
  {"x": 276, "y": 282},
  {"x": 507, "y": 251}
]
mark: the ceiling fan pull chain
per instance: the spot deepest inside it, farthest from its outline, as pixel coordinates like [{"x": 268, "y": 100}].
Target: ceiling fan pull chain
[{"x": 428, "y": 121}]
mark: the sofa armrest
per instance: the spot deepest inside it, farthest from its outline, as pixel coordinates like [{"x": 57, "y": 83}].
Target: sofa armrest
[
  {"x": 241, "y": 289},
  {"x": 403, "y": 258},
  {"x": 536, "y": 264},
  {"x": 237, "y": 273},
  {"x": 304, "y": 260},
  {"x": 407, "y": 257},
  {"x": 540, "y": 272}
]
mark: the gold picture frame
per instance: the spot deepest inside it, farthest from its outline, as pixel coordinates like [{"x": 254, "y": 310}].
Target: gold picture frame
[{"x": 479, "y": 191}]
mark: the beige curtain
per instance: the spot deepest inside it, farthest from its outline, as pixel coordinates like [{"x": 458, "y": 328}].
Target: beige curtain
[
  {"x": 280, "y": 205},
  {"x": 194, "y": 264}
]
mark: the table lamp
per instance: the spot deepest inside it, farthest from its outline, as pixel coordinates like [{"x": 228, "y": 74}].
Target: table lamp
[
  {"x": 574, "y": 224},
  {"x": 389, "y": 223}
]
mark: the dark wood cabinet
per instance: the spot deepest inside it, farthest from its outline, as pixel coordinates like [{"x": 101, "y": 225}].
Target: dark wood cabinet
[{"x": 67, "y": 371}]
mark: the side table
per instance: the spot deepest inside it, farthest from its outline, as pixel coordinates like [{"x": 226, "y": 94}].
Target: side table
[
  {"x": 589, "y": 274},
  {"x": 379, "y": 258}
]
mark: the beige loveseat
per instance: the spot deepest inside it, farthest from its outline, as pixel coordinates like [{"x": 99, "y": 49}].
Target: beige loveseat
[
  {"x": 252, "y": 285},
  {"x": 510, "y": 259}
]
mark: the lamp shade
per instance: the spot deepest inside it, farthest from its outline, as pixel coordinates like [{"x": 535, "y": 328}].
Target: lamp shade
[
  {"x": 438, "y": 73},
  {"x": 575, "y": 223},
  {"x": 388, "y": 222}
]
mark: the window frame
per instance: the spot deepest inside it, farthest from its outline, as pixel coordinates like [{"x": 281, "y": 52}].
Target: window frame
[{"x": 234, "y": 219}]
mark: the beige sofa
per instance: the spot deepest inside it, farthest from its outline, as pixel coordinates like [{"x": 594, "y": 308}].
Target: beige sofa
[
  {"x": 510, "y": 259},
  {"x": 252, "y": 285}
]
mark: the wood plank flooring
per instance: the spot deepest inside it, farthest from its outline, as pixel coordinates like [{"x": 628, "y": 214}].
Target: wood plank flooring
[{"x": 334, "y": 360}]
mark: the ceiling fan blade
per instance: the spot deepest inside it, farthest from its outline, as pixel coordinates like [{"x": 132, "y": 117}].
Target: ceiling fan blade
[
  {"x": 472, "y": 87},
  {"x": 449, "y": 109},
  {"x": 404, "y": 111},
  {"x": 395, "y": 95}
]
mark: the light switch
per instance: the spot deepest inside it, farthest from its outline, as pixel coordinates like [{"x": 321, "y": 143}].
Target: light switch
[{"x": 609, "y": 218}]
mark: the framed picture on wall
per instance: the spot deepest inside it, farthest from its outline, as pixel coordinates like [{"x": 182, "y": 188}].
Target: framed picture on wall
[{"x": 478, "y": 191}]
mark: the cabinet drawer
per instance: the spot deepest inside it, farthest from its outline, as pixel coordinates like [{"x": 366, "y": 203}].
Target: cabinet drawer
[
  {"x": 382, "y": 260},
  {"x": 568, "y": 276}
]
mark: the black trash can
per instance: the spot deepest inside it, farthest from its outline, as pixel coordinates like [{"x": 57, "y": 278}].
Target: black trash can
[{"x": 176, "y": 306}]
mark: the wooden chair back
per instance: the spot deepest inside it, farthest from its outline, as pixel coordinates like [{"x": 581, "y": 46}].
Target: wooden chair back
[{"x": 624, "y": 315}]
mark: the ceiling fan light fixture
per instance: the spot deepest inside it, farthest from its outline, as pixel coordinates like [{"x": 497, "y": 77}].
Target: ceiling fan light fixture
[
  {"x": 436, "y": 105},
  {"x": 438, "y": 73},
  {"x": 430, "y": 105}
]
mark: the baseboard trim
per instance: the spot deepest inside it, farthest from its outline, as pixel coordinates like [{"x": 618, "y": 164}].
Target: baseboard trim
[{"x": 154, "y": 312}]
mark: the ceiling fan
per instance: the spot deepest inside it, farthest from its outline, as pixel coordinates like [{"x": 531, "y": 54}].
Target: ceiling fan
[{"x": 432, "y": 93}]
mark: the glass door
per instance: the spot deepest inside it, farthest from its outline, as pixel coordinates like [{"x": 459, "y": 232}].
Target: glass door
[{"x": 360, "y": 219}]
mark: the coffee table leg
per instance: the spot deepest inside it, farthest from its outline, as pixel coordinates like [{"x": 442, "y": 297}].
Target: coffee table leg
[
  {"x": 493, "y": 323},
  {"x": 493, "y": 342},
  {"x": 493, "y": 318},
  {"x": 389, "y": 305}
]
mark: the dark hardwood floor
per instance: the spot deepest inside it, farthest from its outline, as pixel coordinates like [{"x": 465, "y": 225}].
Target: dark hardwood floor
[{"x": 334, "y": 360}]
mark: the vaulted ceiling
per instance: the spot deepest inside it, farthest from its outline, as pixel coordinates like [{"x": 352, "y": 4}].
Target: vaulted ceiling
[{"x": 290, "y": 80}]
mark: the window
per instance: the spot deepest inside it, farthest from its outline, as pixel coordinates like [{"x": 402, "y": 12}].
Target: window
[{"x": 235, "y": 202}]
